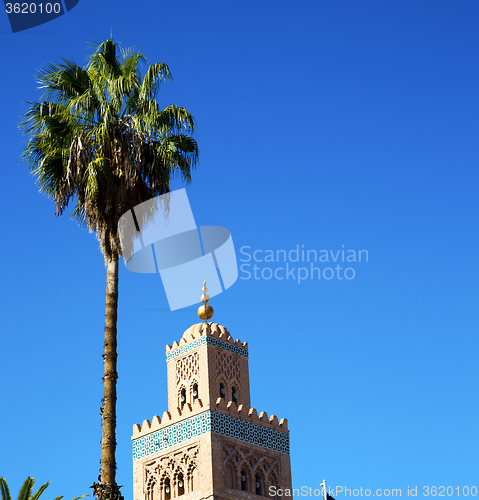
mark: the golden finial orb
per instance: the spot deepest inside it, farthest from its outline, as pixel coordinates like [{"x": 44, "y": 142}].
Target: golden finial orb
[{"x": 205, "y": 312}]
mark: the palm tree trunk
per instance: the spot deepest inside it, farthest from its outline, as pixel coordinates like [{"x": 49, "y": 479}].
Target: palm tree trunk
[{"x": 108, "y": 439}]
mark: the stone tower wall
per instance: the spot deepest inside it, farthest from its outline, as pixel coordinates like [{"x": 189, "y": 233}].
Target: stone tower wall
[
  {"x": 209, "y": 442},
  {"x": 208, "y": 355}
]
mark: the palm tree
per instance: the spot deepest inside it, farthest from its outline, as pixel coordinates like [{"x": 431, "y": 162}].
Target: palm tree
[
  {"x": 100, "y": 136},
  {"x": 25, "y": 492}
]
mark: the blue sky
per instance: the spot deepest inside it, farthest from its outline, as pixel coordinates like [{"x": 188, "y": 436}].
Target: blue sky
[{"x": 319, "y": 124}]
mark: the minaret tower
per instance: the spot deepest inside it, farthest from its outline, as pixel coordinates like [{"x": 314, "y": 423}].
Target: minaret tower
[{"x": 209, "y": 444}]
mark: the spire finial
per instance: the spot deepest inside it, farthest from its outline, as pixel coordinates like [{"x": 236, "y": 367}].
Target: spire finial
[{"x": 205, "y": 312}]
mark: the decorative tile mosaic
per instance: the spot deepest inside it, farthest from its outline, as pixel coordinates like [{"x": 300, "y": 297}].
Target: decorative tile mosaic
[
  {"x": 249, "y": 432},
  {"x": 202, "y": 341},
  {"x": 211, "y": 421},
  {"x": 172, "y": 435}
]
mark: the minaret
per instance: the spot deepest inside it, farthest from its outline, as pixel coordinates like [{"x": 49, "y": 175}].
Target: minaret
[{"x": 210, "y": 443}]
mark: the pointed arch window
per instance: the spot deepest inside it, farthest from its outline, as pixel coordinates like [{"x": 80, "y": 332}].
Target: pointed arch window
[
  {"x": 244, "y": 481},
  {"x": 222, "y": 391},
  {"x": 194, "y": 393},
  {"x": 167, "y": 489},
  {"x": 234, "y": 395},
  {"x": 257, "y": 485},
  {"x": 182, "y": 397},
  {"x": 181, "y": 484}
]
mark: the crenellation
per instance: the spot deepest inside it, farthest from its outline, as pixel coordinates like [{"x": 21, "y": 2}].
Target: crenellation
[
  {"x": 166, "y": 416},
  {"x": 221, "y": 403},
  {"x": 136, "y": 430},
  {"x": 155, "y": 423},
  {"x": 169, "y": 418},
  {"x": 252, "y": 413},
  {"x": 209, "y": 330}
]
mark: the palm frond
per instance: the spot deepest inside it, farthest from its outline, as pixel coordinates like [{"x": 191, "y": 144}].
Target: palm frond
[
  {"x": 156, "y": 73},
  {"x": 4, "y": 489},
  {"x": 26, "y": 489},
  {"x": 96, "y": 172},
  {"x": 176, "y": 119},
  {"x": 40, "y": 490}
]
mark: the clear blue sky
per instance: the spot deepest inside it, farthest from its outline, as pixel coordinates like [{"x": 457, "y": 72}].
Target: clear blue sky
[{"x": 320, "y": 124}]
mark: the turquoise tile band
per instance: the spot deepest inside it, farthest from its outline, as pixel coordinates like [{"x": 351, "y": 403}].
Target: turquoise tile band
[
  {"x": 202, "y": 341},
  {"x": 172, "y": 435},
  {"x": 210, "y": 421}
]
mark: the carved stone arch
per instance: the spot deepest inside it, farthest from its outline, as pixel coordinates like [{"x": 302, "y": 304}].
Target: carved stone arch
[
  {"x": 250, "y": 459},
  {"x": 165, "y": 482},
  {"x": 184, "y": 460},
  {"x": 241, "y": 455},
  {"x": 171, "y": 464},
  {"x": 192, "y": 476},
  {"x": 150, "y": 471},
  {"x": 179, "y": 474},
  {"x": 152, "y": 489},
  {"x": 259, "y": 463},
  {"x": 272, "y": 480},
  {"x": 232, "y": 472},
  {"x": 178, "y": 470},
  {"x": 228, "y": 451},
  {"x": 158, "y": 469},
  {"x": 266, "y": 464},
  {"x": 246, "y": 472},
  {"x": 246, "y": 468},
  {"x": 235, "y": 456},
  {"x": 273, "y": 468},
  {"x": 262, "y": 466},
  {"x": 259, "y": 477}
]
